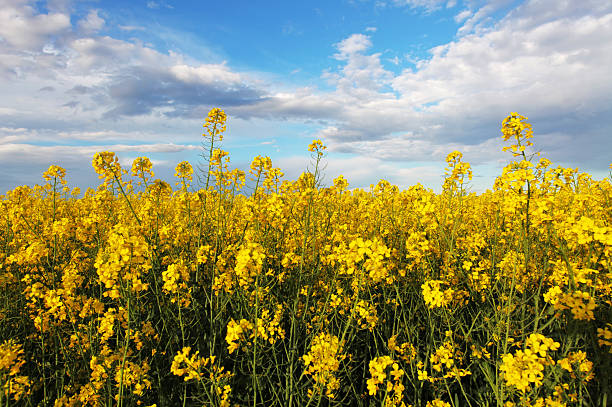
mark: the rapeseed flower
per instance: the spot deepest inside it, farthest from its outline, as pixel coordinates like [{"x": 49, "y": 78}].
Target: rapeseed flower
[
  {"x": 435, "y": 297},
  {"x": 323, "y": 360}
]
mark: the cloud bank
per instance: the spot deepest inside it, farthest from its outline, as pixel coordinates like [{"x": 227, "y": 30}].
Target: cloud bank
[{"x": 68, "y": 88}]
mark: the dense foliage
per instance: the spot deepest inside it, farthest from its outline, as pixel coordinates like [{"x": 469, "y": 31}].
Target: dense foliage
[{"x": 294, "y": 294}]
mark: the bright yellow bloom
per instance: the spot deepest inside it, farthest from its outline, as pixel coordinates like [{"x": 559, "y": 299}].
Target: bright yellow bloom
[
  {"x": 184, "y": 171},
  {"x": 434, "y": 296},
  {"x": 215, "y": 123},
  {"x": 323, "y": 361},
  {"x": 106, "y": 164},
  {"x": 578, "y": 365},
  {"x": 142, "y": 167},
  {"x": 55, "y": 171},
  {"x": 526, "y": 368},
  {"x": 317, "y": 147},
  {"x": 11, "y": 361},
  {"x": 392, "y": 383}
]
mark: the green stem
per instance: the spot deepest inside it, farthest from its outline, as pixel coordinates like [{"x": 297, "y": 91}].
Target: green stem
[{"x": 125, "y": 349}]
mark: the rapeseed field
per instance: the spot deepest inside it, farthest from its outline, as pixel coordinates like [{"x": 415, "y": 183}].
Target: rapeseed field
[{"x": 252, "y": 290}]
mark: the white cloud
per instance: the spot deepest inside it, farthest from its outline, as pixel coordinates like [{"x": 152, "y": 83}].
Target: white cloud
[
  {"x": 458, "y": 98},
  {"x": 461, "y": 16},
  {"x": 158, "y": 4},
  {"x": 428, "y": 5},
  {"x": 352, "y": 45},
  {"x": 92, "y": 23},
  {"x": 480, "y": 18},
  {"x": 131, "y": 28},
  {"x": 134, "y": 136},
  {"x": 362, "y": 73},
  {"x": 9, "y": 135},
  {"x": 10, "y": 151},
  {"x": 395, "y": 60},
  {"x": 107, "y": 53},
  {"x": 209, "y": 73},
  {"x": 548, "y": 60},
  {"x": 22, "y": 27},
  {"x": 6, "y": 111}
]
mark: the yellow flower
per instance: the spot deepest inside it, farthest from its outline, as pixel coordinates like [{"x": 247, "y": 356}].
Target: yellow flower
[
  {"x": 605, "y": 335},
  {"x": 141, "y": 167},
  {"x": 525, "y": 368},
  {"x": 392, "y": 382},
  {"x": 516, "y": 126},
  {"x": 188, "y": 366},
  {"x": 434, "y": 296},
  {"x": 580, "y": 303},
  {"x": 215, "y": 123},
  {"x": 317, "y": 147},
  {"x": 323, "y": 361},
  {"x": 106, "y": 165},
  {"x": 577, "y": 364},
  {"x": 443, "y": 357},
  {"x": 55, "y": 171},
  {"x": 10, "y": 357},
  {"x": 540, "y": 344},
  {"x": 552, "y": 295},
  {"x": 522, "y": 369},
  {"x": 11, "y": 361},
  {"x": 236, "y": 332},
  {"x": 184, "y": 171}
]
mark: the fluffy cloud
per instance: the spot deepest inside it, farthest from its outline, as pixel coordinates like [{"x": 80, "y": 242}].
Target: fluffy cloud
[
  {"x": 77, "y": 85},
  {"x": 458, "y": 97},
  {"x": 354, "y": 44},
  {"x": 76, "y": 76},
  {"x": 92, "y": 23},
  {"x": 21, "y": 26},
  {"x": 183, "y": 91}
]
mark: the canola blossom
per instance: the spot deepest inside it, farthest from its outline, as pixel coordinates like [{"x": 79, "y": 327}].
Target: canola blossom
[{"x": 233, "y": 288}]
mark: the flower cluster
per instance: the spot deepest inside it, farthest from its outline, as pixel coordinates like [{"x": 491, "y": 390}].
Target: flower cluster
[
  {"x": 406, "y": 351},
  {"x": 605, "y": 335},
  {"x": 456, "y": 170},
  {"x": 176, "y": 277},
  {"x": 578, "y": 365},
  {"x": 184, "y": 171},
  {"x": 525, "y": 368},
  {"x": 215, "y": 123},
  {"x": 55, "y": 172},
  {"x": 142, "y": 167},
  {"x": 462, "y": 292},
  {"x": 434, "y": 296},
  {"x": 580, "y": 303},
  {"x": 322, "y": 362},
  {"x": 12, "y": 385},
  {"x": 266, "y": 327},
  {"x": 189, "y": 366},
  {"x": 106, "y": 164},
  {"x": 391, "y": 381},
  {"x": 124, "y": 263},
  {"x": 317, "y": 147}
]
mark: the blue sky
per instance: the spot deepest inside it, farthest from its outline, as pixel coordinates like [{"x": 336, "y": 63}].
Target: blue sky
[{"x": 390, "y": 86}]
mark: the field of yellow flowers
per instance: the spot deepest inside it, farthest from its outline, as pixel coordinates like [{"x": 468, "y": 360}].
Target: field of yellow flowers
[{"x": 257, "y": 291}]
